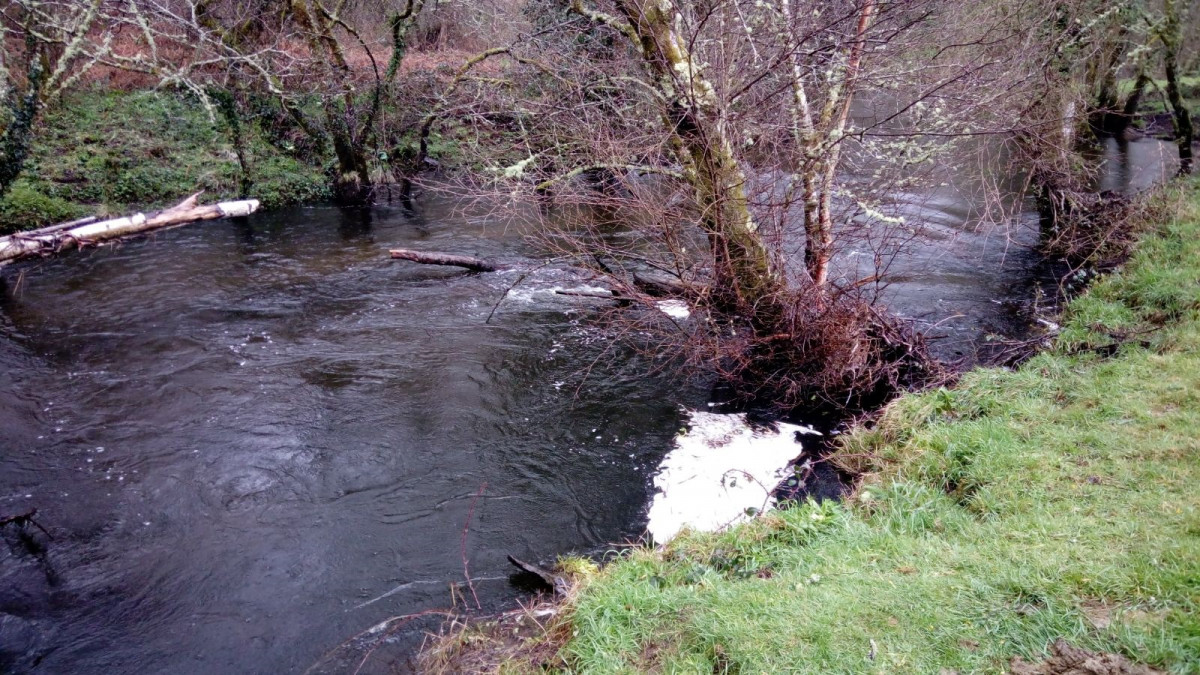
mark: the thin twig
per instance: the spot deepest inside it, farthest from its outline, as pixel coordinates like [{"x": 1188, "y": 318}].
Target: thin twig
[
  {"x": 397, "y": 620},
  {"x": 463, "y": 544},
  {"x": 505, "y": 295}
]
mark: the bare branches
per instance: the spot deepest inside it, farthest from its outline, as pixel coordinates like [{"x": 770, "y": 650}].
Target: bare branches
[
  {"x": 51, "y": 44},
  {"x": 463, "y": 544},
  {"x": 580, "y": 170},
  {"x": 716, "y": 141},
  {"x": 401, "y": 23},
  {"x": 609, "y": 20},
  {"x": 76, "y": 34}
]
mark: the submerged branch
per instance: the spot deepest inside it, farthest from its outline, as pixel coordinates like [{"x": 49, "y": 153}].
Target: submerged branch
[{"x": 447, "y": 259}]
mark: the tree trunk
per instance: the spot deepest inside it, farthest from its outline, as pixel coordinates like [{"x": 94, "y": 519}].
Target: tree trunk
[
  {"x": 1103, "y": 116},
  {"x": 17, "y": 136},
  {"x": 822, "y": 143},
  {"x": 352, "y": 185},
  {"x": 60, "y": 237},
  {"x": 1111, "y": 117},
  {"x": 1185, "y": 133},
  {"x": 745, "y": 282},
  {"x": 227, "y": 105},
  {"x": 1129, "y": 111}
]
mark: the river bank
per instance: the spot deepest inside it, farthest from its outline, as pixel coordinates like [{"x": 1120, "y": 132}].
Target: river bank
[
  {"x": 1054, "y": 501},
  {"x": 110, "y": 152}
]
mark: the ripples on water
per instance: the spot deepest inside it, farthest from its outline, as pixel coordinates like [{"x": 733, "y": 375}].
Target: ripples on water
[
  {"x": 241, "y": 433},
  {"x": 254, "y": 438}
]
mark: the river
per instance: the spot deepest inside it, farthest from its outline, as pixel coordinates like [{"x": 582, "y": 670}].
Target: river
[{"x": 254, "y": 438}]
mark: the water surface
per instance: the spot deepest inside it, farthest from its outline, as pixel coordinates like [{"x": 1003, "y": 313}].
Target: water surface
[
  {"x": 242, "y": 432},
  {"x": 253, "y": 438}
]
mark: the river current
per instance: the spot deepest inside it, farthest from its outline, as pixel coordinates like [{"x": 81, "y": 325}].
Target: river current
[{"x": 254, "y": 438}]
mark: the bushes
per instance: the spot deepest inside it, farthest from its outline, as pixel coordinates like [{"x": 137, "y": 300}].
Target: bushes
[
  {"x": 280, "y": 181},
  {"x": 148, "y": 185},
  {"x": 25, "y": 208},
  {"x": 110, "y": 153}
]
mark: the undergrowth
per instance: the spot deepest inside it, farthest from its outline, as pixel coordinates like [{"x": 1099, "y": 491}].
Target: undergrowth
[
  {"x": 1058, "y": 500},
  {"x": 107, "y": 153}
]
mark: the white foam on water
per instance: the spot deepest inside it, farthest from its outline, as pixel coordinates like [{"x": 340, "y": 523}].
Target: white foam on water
[
  {"x": 676, "y": 309},
  {"x": 530, "y": 294},
  {"x": 720, "y": 467}
]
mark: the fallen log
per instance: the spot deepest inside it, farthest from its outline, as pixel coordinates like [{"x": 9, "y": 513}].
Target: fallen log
[
  {"x": 80, "y": 233},
  {"x": 447, "y": 259},
  {"x": 558, "y": 584},
  {"x": 602, "y": 295},
  {"x": 663, "y": 287},
  {"x": 67, "y": 225}
]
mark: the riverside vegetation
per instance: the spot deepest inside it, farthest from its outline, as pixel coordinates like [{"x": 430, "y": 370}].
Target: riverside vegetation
[
  {"x": 1020, "y": 507},
  {"x": 1055, "y": 501},
  {"x": 108, "y": 152}
]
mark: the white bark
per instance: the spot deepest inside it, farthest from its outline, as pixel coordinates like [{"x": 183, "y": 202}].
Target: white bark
[{"x": 57, "y": 237}]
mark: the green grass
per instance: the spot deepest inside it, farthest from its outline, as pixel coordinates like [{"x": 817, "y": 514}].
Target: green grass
[
  {"x": 112, "y": 152},
  {"x": 1187, "y": 82},
  {"x": 1060, "y": 500},
  {"x": 1154, "y": 99}
]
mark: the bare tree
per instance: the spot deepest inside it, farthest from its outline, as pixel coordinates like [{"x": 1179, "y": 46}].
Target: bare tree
[
  {"x": 743, "y": 275},
  {"x": 1118, "y": 46},
  {"x": 705, "y": 142},
  {"x": 331, "y": 77},
  {"x": 1171, "y": 34},
  {"x": 45, "y": 47}
]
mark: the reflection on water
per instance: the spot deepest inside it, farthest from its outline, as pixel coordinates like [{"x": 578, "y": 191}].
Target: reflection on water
[{"x": 1134, "y": 165}]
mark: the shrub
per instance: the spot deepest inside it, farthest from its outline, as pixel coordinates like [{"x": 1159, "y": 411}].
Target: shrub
[{"x": 25, "y": 208}]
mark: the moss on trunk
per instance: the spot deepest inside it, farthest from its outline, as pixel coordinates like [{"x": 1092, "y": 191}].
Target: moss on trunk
[{"x": 746, "y": 282}]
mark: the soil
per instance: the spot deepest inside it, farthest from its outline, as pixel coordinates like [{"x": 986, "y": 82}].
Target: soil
[{"x": 1066, "y": 659}]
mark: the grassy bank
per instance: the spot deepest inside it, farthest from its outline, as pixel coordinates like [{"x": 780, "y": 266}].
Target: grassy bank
[
  {"x": 111, "y": 152},
  {"x": 1060, "y": 500},
  {"x": 1155, "y": 98}
]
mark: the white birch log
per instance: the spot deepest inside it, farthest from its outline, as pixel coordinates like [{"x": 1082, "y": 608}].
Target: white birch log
[{"x": 65, "y": 236}]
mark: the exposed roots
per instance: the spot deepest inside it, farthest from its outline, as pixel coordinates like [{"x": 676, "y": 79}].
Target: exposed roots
[
  {"x": 1089, "y": 230},
  {"x": 828, "y": 354}
]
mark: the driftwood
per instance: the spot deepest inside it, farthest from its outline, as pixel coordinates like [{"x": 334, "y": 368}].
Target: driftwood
[
  {"x": 663, "y": 287},
  {"x": 86, "y": 231},
  {"x": 560, "y": 585},
  {"x": 448, "y": 259},
  {"x": 20, "y": 520},
  {"x": 602, "y": 295}
]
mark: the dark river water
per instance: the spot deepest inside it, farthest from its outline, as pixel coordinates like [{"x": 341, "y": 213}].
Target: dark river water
[{"x": 253, "y": 439}]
